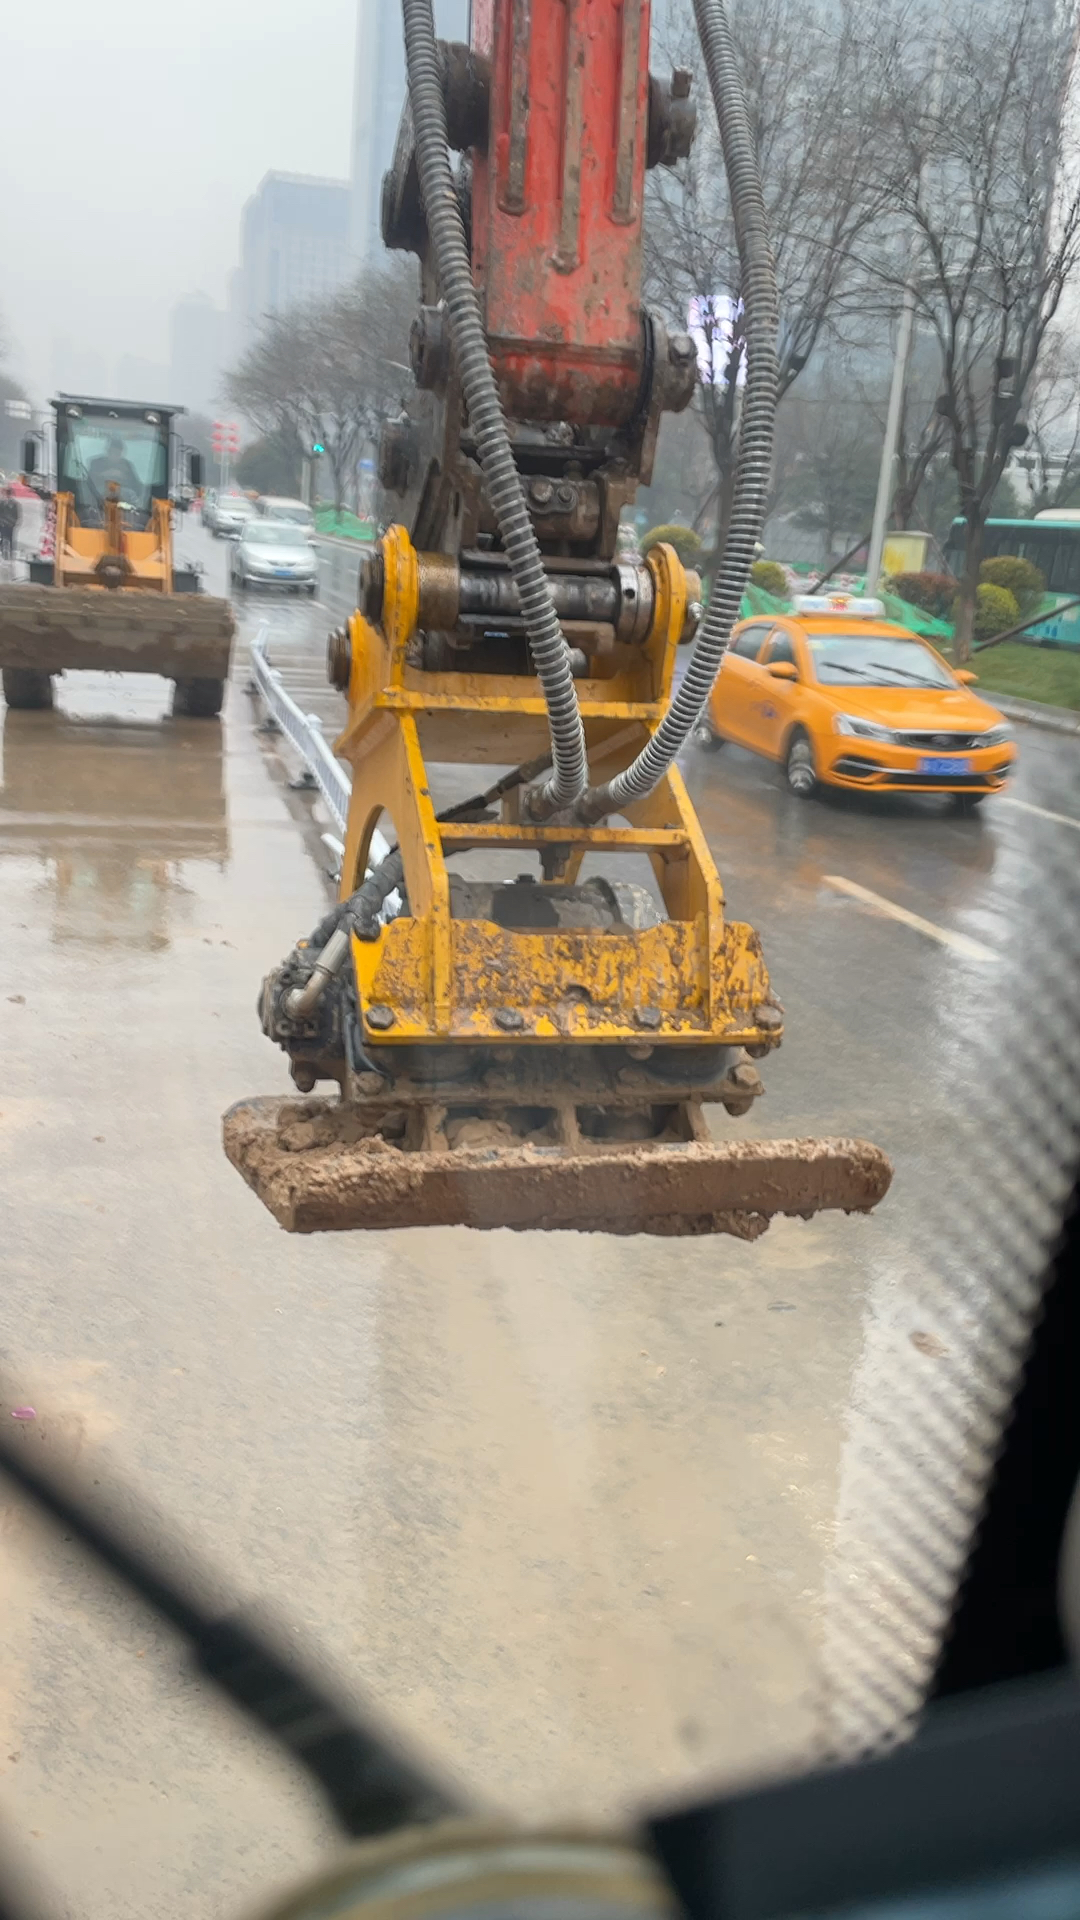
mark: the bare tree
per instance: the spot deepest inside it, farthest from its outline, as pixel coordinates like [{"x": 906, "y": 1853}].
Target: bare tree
[
  {"x": 815, "y": 72},
  {"x": 1051, "y": 455},
  {"x": 996, "y": 215},
  {"x": 826, "y": 457},
  {"x": 329, "y": 373}
]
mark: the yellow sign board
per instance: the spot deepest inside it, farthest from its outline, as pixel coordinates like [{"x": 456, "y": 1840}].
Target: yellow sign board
[{"x": 904, "y": 553}]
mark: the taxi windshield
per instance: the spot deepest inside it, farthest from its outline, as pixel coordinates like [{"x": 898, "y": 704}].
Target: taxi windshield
[{"x": 874, "y": 660}]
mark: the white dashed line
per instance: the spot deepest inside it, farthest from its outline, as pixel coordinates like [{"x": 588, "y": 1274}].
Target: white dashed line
[
  {"x": 959, "y": 942},
  {"x": 1061, "y": 819}
]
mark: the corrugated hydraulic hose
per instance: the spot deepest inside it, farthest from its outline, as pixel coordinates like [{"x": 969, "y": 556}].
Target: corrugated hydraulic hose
[
  {"x": 755, "y": 429},
  {"x": 547, "y": 644}
]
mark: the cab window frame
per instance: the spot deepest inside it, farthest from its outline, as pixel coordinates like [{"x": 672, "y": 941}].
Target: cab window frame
[
  {"x": 764, "y": 628},
  {"x": 784, "y": 636}
]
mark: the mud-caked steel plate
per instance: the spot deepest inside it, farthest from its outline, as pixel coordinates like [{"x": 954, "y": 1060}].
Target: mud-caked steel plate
[
  {"x": 315, "y": 1183},
  {"x": 180, "y": 635}
]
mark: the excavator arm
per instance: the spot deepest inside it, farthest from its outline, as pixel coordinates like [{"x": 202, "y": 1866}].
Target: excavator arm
[{"x": 538, "y": 1051}]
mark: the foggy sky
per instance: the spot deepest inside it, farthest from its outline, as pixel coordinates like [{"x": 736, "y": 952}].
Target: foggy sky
[{"x": 132, "y": 133}]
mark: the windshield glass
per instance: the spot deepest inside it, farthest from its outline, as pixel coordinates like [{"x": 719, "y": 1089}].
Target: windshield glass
[
  {"x": 235, "y": 503},
  {"x": 874, "y": 660},
  {"x": 267, "y": 533},
  {"x": 299, "y": 515},
  {"x": 131, "y": 455}
]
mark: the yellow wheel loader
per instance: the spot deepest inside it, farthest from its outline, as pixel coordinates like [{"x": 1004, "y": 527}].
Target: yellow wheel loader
[{"x": 111, "y": 598}]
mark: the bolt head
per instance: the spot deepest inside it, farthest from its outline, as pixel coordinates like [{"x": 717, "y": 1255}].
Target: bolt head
[
  {"x": 378, "y": 1017},
  {"x": 746, "y": 1075},
  {"x": 566, "y": 495},
  {"x": 768, "y": 1018},
  {"x": 541, "y": 491},
  {"x": 649, "y": 1017},
  {"x": 510, "y": 1019},
  {"x": 681, "y": 349}
]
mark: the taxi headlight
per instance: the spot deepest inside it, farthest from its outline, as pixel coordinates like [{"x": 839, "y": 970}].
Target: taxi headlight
[
  {"x": 862, "y": 729},
  {"x": 996, "y": 736}
]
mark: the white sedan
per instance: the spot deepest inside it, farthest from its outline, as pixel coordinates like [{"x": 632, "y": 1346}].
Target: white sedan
[{"x": 274, "y": 553}]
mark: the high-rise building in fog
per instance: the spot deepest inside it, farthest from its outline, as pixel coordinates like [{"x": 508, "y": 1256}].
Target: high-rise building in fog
[
  {"x": 197, "y": 352},
  {"x": 378, "y": 95},
  {"x": 294, "y": 247}
]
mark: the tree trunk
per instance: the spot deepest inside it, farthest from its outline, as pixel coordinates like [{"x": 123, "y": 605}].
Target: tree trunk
[
  {"x": 903, "y": 507},
  {"x": 969, "y": 582}
]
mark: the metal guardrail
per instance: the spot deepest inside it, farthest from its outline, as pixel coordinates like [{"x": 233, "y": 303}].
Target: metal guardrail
[{"x": 305, "y": 734}]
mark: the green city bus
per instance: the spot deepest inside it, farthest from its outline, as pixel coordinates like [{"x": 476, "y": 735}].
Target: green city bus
[{"x": 1052, "y": 542}]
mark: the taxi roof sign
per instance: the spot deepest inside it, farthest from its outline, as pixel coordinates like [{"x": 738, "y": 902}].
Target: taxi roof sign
[{"x": 839, "y": 603}]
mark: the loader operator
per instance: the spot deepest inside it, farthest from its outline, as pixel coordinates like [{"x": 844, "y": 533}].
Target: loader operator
[{"x": 113, "y": 468}]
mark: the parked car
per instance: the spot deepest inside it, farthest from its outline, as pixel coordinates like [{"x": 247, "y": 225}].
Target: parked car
[
  {"x": 273, "y": 553},
  {"x": 275, "y": 507},
  {"x": 842, "y": 697},
  {"x": 227, "y": 512}
]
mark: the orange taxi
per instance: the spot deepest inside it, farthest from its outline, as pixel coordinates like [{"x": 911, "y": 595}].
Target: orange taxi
[{"x": 842, "y": 697}]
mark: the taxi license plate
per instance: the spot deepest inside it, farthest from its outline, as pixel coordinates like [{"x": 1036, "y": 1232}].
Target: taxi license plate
[
  {"x": 939, "y": 765},
  {"x": 283, "y": 573}
]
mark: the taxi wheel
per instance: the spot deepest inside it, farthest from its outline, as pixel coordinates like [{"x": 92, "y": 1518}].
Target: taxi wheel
[
  {"x": 799, "y": 769},
  {"x": 967, "y": 802}
]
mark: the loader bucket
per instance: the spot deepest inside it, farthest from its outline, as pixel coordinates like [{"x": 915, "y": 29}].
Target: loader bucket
[
  {"x": 318, "y": 1169},
  {"x": 47, "y": 629}
]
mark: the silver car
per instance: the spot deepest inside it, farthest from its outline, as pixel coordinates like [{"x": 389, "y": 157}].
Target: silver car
[
  {"x": 230, "y": 514},
  {"x": 274, "y": 553}
]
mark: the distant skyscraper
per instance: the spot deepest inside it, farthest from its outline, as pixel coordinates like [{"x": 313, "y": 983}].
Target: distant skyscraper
[
  {"x": 197, "y": 352},
  {"x": 140, "y": 379},
  {"x": 294, "y": 247},
  {"x": 378, "y": 96}
]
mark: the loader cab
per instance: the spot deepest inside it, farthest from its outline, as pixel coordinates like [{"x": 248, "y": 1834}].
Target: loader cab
[{"x": 101, "y": 444}]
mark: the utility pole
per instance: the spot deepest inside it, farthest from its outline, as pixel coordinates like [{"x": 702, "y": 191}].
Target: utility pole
[
  {"x": 892, "y": 434},
  {"x": 899, "y": 374}
]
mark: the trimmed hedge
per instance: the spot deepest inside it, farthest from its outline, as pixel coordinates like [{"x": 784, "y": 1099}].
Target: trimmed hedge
[
  {"x": 685, "y": 541},
  {"x": 996, "y": 610},
  {"x": 935, "y": 593},
  {"x": 1019, "y": 577},
  {"x": 771, "y": 577}
]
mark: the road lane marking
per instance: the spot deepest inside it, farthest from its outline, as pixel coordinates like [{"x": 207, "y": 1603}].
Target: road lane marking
[
  {"x": 1026, "y": 806},
  {"x": 959, "y": 942}
]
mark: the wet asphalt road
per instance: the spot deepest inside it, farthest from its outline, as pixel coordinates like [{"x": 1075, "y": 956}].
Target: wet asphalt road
[{"x": 563, "y": 1506}]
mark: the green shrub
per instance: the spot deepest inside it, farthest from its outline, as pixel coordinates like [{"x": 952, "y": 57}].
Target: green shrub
[
  {"x": 933, "y": 592},
  {"x": 771, "y": 578},
  {"x": 685, "y": 541},
  {"x": 1019, "y": 577},
  {"x": 996, "y": 610}
]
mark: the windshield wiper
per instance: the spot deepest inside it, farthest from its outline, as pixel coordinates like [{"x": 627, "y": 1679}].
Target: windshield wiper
[
  {"x": 882, "y": 666},
  {"x": 839, "y": 666}
]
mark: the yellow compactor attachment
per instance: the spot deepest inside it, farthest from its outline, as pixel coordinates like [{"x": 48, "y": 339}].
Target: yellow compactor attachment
[{"x": 536, "y": 1051}]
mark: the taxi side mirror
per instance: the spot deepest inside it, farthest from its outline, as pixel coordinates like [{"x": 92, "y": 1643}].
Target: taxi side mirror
[
  {"x": 782, "y": 670},
  {"x": 965, "y": 676}
]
